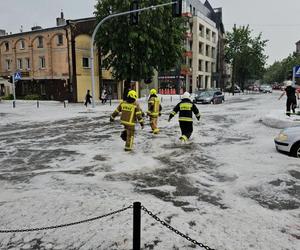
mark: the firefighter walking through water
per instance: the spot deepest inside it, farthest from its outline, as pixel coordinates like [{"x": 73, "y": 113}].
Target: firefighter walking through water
[
  {"x": 130, "y": 114},
  {"x": 186, "y": 109},
  {"x": 154, "y": 109}
]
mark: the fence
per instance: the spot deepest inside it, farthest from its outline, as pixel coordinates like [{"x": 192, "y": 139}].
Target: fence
[{"x": 137, "y": 207}]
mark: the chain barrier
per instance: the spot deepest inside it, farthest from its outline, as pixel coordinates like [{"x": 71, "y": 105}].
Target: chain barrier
[
  {"x": 65, "y": 225},
  {"x": 175, "y": 230}
]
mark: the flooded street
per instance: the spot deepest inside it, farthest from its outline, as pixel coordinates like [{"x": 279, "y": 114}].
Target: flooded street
[{"x": 227, "y": 188}]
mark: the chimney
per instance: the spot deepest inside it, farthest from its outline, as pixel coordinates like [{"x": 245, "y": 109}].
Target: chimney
[
  {"x": 36, "y": 27},
  {"x": 60, "y": 21},
  {"x": 2, "y": 32}
]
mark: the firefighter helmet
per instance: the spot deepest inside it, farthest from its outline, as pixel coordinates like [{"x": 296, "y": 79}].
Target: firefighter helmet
[
  {"x": 132, "y": 94},
  {"x": 186, "y": 95},
  {"x": 153, "y": 92}
]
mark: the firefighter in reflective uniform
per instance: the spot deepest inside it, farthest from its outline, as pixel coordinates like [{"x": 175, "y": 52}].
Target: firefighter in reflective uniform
[
  {"x": 154, "y": 109},
  {"x": 130, "y": 114},
  {"x": 186, "y": 109}
]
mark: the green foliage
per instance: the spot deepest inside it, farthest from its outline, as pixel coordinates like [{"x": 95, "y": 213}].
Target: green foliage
[
  {"x": 245, "y": 54},
  {"x": 281, "y": 70},
  {"x": 9, "y": 97},
  {"x": 32, "y": 97},
  {"x": 134, "y": 51}
]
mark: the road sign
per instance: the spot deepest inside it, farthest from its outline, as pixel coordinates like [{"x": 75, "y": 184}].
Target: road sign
[
  {"x": 296, "y": 71},
  {"x": 18, "y": 76}
]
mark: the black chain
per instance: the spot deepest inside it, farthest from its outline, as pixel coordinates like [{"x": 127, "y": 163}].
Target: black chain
[
  {"x": 65, "y": 225},
  {"x": 175, "y": 230}
]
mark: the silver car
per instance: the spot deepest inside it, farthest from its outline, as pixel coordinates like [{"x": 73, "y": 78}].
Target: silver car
[{"x": 288, "y": 141}]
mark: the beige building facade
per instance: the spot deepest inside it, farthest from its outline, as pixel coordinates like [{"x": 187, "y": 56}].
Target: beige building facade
[{"x": 54, "y": 62}]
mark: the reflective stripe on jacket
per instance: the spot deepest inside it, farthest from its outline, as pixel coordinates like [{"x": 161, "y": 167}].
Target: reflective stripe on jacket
[
  {"x": 186, "y": 109},
  {"x": 154, "y": 106},
  {"x": 131, "y": 113}
]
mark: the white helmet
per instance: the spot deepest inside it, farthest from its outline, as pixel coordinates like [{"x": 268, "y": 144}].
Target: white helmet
[
  {"x": 186, "y": 95},
  {"x": 289, "y": 83}
]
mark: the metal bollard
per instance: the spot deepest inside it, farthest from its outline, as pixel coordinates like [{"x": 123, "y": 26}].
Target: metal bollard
[
  {"x": 110, "y": 102},
  {"x": 37, "y": 104},
  {"x": 136, "y": 226},
  {"x": 171, "y": 98},
  {"x": 14, "y": 104},
  {"x": 65, "y": 104}
]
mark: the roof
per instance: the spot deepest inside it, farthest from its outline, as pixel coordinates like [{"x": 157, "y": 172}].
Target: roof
[{"x": 88, "y": 19}]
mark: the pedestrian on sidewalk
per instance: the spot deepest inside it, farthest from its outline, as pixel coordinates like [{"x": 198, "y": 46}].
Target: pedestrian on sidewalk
[
  {"x": 291, "y": 102},
  {"x": 186, "y": 108},
  {"x": 87, "y": 98},
  {"x": 104, "y": 96},
  {"x": 130, "y": 114},
  {"x": 154, "y": 110}
]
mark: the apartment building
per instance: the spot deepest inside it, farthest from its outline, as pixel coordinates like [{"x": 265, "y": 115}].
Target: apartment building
[
  {"x": 54, "y": 62},
  {"x": 203, "y": 60},
  {"x": 298, "y": 47}
]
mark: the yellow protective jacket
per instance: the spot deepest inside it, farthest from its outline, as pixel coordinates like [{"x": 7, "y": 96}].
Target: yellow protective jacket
[
  {"x": 130, "y": 113},
  {"x": 154, "y": 106}
]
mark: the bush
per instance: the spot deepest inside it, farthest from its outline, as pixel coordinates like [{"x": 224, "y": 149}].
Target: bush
[
  {"x": 8, "y": 97},
  {"x": 32, "y": 97}
]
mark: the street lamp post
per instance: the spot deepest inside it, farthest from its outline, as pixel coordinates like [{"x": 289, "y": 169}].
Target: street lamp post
[{"x": 96, "y": 30}]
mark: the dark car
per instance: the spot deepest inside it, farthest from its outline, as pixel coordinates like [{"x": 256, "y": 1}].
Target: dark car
[
  {"x": 209, "y": 96},
  {"x": 237, "y": 89}
]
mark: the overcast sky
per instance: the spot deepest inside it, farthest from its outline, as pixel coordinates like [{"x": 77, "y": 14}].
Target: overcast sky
[{"x": 278, "y": 20}]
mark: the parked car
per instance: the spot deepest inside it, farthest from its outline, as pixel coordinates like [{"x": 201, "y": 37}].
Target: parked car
[
  {"x": 265, "y": 88},
  {"x": 209, "y": 96},
  {"x": 253, "y": 87},
  {"x": 288, "y": 141},
  {"x": 237, "y": 89}
]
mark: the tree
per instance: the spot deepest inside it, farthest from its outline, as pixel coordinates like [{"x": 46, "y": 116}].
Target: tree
[
  {"x": 245, "y": 54},
  {"x": 134, "y": 51},
  {"x": 281, "y": 70}
]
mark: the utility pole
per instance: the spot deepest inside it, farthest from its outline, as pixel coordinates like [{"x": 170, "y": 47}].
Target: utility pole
[{"x": 105, "y": 19}]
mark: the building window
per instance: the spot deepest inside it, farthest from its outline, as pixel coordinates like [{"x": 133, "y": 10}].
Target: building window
[
  {"x": 42, "y": 62},
  {"x": 207, "y": 66},
  {"x": 207, "y": 34},
  {"x": 40, "y": 42},
  {"x": 19, "y": 63},
  {"x": 7, "y": 62},
  {"x": 200, "y": 67},
  {"x": 22, "y": 44},
  {"x": 190, "y": 63},
  {"x": 213, "y": 52},
  {"x": 85, "y": 62},
  {"x": 60, "y": 39},
  {"x": 27, "y": 63},
  {"x": 6, "y": 46},
  {"x": 207, "y": 50},
  {"x": 214, "y": 37},
  {"x": 201, "y": 48},
  {"x": 190, "y": 45},
  {"x": 201, "y": 30}
]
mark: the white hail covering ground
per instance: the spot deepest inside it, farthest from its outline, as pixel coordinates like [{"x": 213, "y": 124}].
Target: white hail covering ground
[{"x": 228, "y": 188}]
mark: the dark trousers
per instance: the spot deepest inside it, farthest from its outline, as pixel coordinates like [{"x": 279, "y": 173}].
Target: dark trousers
[
  {"x": 186, "y": 128},
  {"x": 87, "y": 101},
  {"x": 291, "y": 102}
]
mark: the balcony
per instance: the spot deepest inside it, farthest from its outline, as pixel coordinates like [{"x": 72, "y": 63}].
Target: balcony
[
  {"x": 188, "y": 54},
  {"x": 187, "y": 14}
]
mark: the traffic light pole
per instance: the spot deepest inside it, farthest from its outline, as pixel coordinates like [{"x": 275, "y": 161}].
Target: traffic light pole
[
  {"x": 97, "y": 28},
  {"x": 14, "y": 86}
]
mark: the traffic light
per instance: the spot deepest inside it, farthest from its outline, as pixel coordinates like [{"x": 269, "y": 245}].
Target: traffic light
[
  {"x": 177, "y": 8},
  {"x": 134, "y": 17},
  {"x": 10, "y": 79}
]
